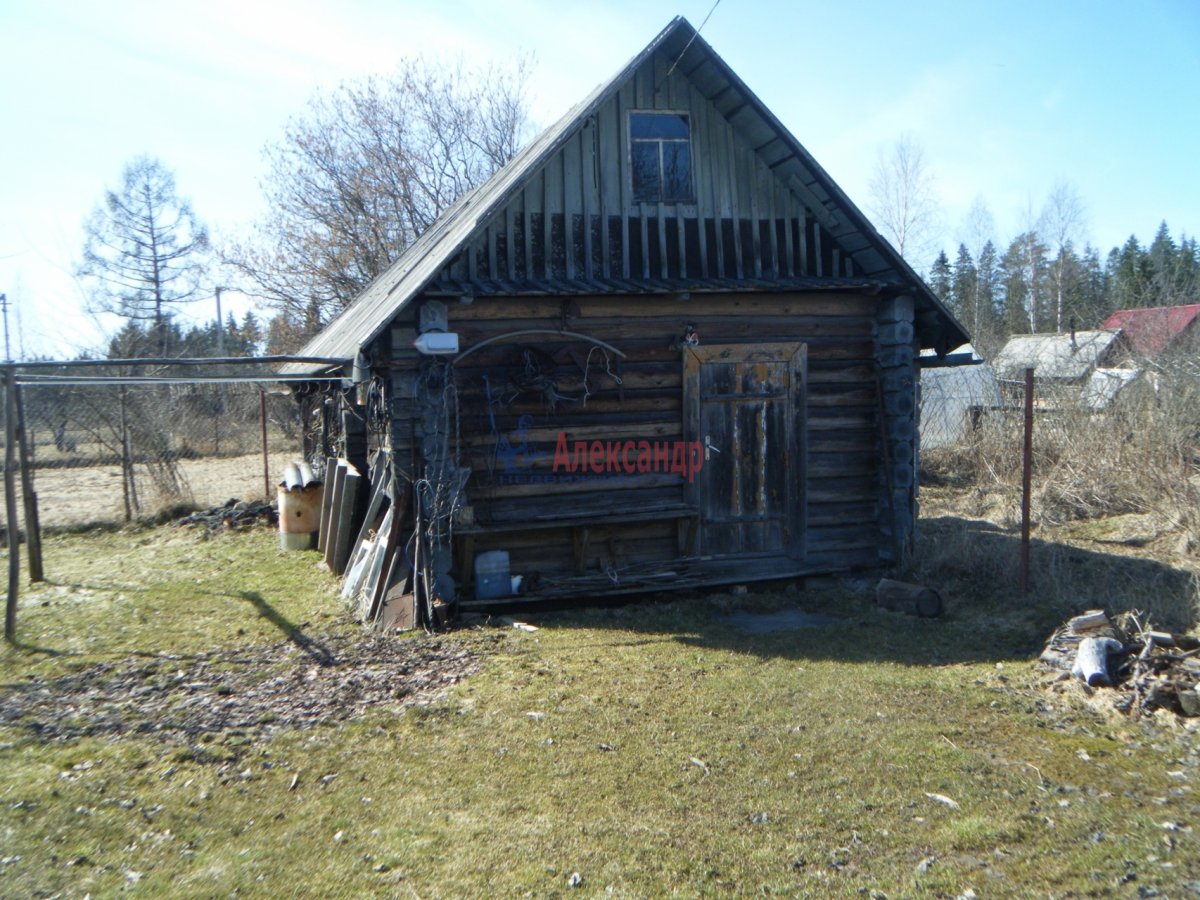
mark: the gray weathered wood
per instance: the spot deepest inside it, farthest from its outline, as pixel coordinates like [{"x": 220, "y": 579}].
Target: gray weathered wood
[
  {"x": 345, "y": 520},
  {"x": 1091, "y": 660},
  {"x": 1089, "y": 621},
  {"x": 327, "y": 503},
  {"x": 331, "y": 521}
]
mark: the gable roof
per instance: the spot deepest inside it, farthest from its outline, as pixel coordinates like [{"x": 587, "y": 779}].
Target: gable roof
[
  {"x": 1058, "y": 357},
  {"x": 1151, "y": 331},
  {"x": 364, "y": 319}
]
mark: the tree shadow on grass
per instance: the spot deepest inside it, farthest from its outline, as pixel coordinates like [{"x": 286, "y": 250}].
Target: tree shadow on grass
[
  {"x": 313, "y": 648},
  {"x": 972, "y": 563}
]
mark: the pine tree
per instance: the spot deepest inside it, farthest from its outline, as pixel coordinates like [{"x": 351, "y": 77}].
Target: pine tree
[
  {"x": 962, "y": 290},
  {"x": 252, "y": 334},
  {"x": 988, "y": 297},
  {"x": 1092, "y": 307},
  {"x": 941, "y": 276},
  {"x": 1128, "y": 274},
  {"x": 1171, "y": 270},
  {"x": 1014, "y": 289}
]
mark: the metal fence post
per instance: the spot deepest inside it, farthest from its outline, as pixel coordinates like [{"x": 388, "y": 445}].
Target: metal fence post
[
  {"x": 33, "y": 528},
  {"x": 1026, "y": 480},
  {"x": 10, "y": 503},
  {"x": 262, "y": 416}
]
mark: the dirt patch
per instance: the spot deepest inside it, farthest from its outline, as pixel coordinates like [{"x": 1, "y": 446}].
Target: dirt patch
[{"x": 294, "y": 684}]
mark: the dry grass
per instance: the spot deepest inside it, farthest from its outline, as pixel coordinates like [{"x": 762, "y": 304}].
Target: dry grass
[
  {"x": 652, "y": 749},
  {"x": 1115, "y": 504},
  {"x": 83, "y": 495}
]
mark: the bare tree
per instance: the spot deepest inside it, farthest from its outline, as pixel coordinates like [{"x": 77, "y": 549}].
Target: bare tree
[
  {"x": 978, "y": 230},
  {"x": 1063, "y": 218},
  {"x": 144, "y": 250},
  {"x": 366, "y": 170},
  {"x": 903, "y": 200},
  {"x": 979, "y": 226}
]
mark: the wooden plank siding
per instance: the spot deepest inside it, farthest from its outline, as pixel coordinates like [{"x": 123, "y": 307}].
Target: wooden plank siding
[
  {"x": 508, "y": 436},
  {"x": 576, "y": 218}
]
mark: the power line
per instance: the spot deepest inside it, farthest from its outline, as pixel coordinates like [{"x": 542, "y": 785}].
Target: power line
[{"x": 690, "y": 40}]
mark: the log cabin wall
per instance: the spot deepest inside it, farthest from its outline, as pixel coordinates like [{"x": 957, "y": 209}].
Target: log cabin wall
[
  {"x": 670, "y": 208},
  {"x": 517, "y": 396},
  {"x": 573, "y": 251}
]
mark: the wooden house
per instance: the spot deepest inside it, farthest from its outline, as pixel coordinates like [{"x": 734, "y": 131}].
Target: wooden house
[
  {"x": 679, "y": 355},
  {"x": 1063, "y": 363},
  {"x": 1162, "y": 333}
]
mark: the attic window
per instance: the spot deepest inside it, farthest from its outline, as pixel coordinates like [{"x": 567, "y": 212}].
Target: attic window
[{"x": 660, "y": 153}]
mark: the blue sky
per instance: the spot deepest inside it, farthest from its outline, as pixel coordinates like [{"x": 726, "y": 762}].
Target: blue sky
[{"x": 1005, "y": 98}]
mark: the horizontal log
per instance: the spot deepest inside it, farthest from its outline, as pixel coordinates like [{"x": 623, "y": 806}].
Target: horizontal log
[
  {"x": 1095, "y": 618},
  {"x": 840, "y": 419},
  {"x": 583, "y": 308},
  {"x": 635, "y": 321},
  {"x": 862, "y": 513},
  {"x": 839, "y": 465},
  {"x": 911, "y": 599},
  {"x": 509, "y": 419},
  {"x": 842, "y": 490},
  {"x": 604, "y": 431},
  {"x": 598, "y": 484}
]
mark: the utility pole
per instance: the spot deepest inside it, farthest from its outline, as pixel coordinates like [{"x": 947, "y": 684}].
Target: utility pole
[
  {"x": 4, "y": 306},
  {"x": 220, "y": 326}
]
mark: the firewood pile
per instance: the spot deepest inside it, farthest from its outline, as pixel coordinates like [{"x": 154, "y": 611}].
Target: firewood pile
[
  {"x": 1145, "y": 668},
  {"x": 232, "y": 514}
]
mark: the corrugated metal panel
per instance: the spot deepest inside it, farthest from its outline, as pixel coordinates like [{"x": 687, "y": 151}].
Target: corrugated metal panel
[{"x": 374, "y": 309}]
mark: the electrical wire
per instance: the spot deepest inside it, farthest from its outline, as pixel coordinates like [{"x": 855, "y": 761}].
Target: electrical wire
[{"x": 688, "y": 45}]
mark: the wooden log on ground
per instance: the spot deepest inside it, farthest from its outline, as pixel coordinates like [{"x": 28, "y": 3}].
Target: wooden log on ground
[
  {"x": 911, "y": 599},
  {"x": 1088, "y": 621},
  {"x": 1091, "y": 660}
]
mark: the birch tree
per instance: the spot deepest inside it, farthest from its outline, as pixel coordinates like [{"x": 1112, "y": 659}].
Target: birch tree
[
  {"x": 1063, "y": 219},
  {"x": 903, "y": 201}
]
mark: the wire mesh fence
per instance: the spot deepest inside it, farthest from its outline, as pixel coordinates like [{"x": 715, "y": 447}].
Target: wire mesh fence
[
  {"x": 1119, "y": 440},
  {"x": 1116, "y": 441},
  {"x": 114, "y": 452}
]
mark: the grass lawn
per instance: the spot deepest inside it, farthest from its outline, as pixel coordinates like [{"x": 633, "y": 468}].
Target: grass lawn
[{"x": 163, "y": 732}]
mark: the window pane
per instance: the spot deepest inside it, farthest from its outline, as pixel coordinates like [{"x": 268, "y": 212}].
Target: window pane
[
  {"x": 677, "y": 171},
  {"x": 647, "y": 182},
  {"x": 658, "y": 125}
]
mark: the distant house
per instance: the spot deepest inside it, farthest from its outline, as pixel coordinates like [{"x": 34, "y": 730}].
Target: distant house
[
  {"x": 952, "y": 399},
  {"x": 1158, "y": 330},
  {"x": 1106, "y": 384},
  {"x": 660, "y": 349},
  {"x": 1061, "y": 362}
]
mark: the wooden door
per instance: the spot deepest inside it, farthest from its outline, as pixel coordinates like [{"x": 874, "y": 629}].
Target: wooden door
[{"x": 745, "y": 404}]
